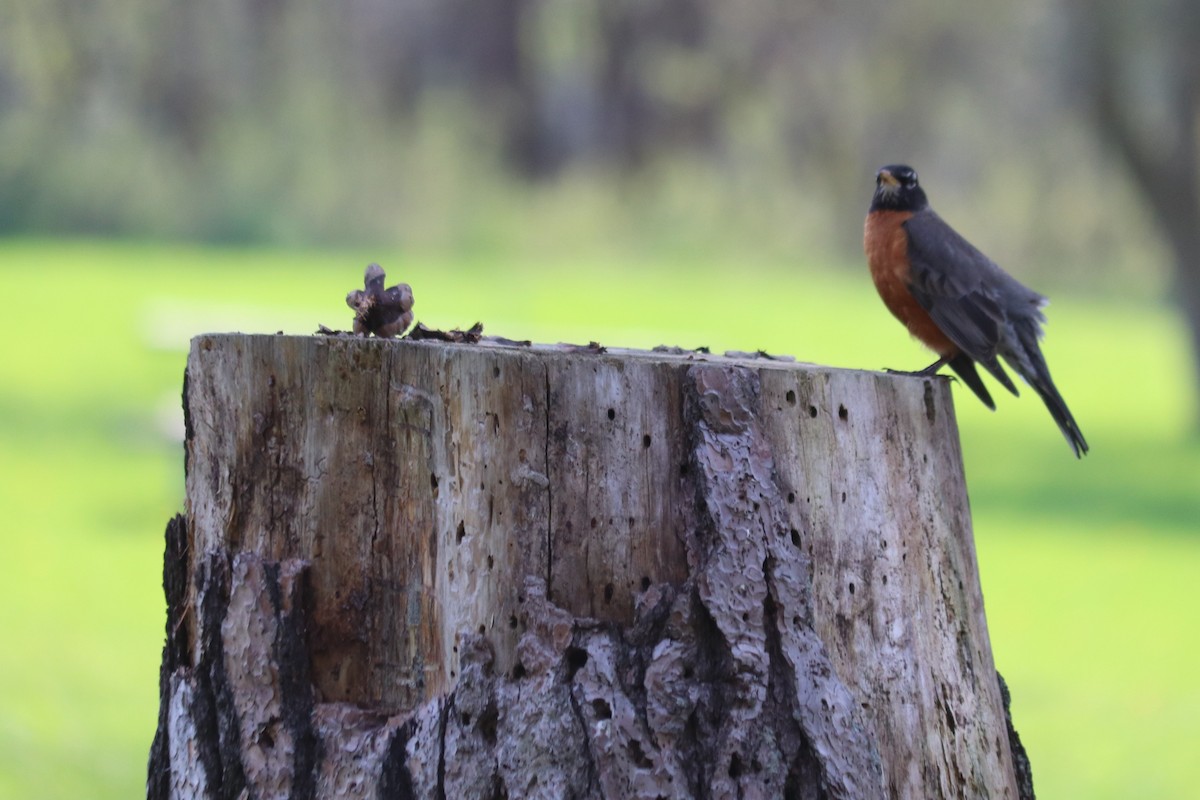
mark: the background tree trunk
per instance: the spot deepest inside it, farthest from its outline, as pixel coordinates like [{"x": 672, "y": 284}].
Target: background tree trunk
[
  {"x": 420, "y": 570},
  {"x": 1146, "y": 108}
]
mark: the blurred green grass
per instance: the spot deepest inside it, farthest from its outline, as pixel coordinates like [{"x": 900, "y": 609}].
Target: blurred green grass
[{"x": 1087, "y": 566}]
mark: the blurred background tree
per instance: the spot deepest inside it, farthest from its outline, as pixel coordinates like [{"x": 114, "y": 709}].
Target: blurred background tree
[
  {"x": 673, "y": 123},
  {"x": 1138, "y": 66}
]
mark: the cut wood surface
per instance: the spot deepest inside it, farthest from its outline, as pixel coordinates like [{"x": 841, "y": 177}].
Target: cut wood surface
[{"x": 418, "y": 569}]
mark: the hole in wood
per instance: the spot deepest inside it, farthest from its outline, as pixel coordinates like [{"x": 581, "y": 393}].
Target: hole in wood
[
  {"x": 461, "y": 532},
  {"x": 488, "y": 720},
  {"x": 601, "y": 708},
  {"x": 577, "y": 659},
  {"x": 646, "y": 440},
  {"x": 843, "y": 497},
  {"x": 518, "y": 671},
  {"x": 639, "y": 755},
  {"x": 791, "y": 497},
  {"x": 482, "y": 630},
  {"x": 512, "y": 621},
  {"x": 795, "y": 537},
  {"x": 612, "y": 413},
  {"x": 735, "y": 766},
  {"x": 645, "y": 582},
  {"x": 465, "y": 719},
  {"x": 791, "y": 397},
  {"x": 843, "y": 414},
  {"x": 608, "y": 592},
  {"x": 851, "y": 588},
  {"x": 495, "y": 372},
  {"x": 688, "y": 672},
  {"x": 433, "y": 483},
  {"x": 490, "y": 562},
  {"x": 812, "y": 411},
  {"x": 592, "y": 523}
]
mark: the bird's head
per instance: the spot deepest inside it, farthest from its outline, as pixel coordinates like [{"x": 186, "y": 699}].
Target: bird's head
[{"x": 897, "y": 189}]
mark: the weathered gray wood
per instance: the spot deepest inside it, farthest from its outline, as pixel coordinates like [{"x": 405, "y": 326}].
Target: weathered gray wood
[{"x": 417, "y": 569}]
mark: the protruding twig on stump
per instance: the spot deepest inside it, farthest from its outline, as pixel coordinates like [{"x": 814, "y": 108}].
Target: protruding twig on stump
[{"x": 379, "y": 311}]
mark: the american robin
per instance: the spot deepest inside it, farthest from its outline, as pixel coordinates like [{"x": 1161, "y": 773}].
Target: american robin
[
  {"x": 383, "y": 312},
  {"x": 954, "y": 299}
]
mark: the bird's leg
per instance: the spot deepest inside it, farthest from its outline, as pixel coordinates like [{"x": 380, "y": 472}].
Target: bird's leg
[{"x": 930, "y": 370}]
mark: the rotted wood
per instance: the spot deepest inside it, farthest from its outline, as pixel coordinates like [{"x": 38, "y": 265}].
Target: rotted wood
[{"x": 429, "y": 570}]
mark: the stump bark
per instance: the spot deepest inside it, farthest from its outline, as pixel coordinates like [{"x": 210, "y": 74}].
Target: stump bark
[{"x": 429, "y": 570}]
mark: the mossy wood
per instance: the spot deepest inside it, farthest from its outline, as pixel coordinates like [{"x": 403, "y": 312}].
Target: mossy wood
[{"x": 430, "y": 570}]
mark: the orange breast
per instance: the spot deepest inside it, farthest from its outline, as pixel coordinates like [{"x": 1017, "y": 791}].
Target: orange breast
[{"x": 886, "y": 246}]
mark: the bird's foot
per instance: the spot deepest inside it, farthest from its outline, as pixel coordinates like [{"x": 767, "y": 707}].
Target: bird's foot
[{"x": 920, "y": 373}]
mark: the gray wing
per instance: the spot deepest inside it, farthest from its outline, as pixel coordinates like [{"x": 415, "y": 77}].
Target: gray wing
[
  {"x": 984, "y": 310},
  {"x": 968, "y": 297}
]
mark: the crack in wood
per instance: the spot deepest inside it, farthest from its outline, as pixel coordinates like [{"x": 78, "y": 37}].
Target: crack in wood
[{"x": 549, "y": 485}]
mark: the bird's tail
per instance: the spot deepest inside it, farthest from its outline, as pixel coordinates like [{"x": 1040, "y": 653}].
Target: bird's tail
[
  {"x": 964, "y": 367},
  {"x": 1062, "y": 415},
  {"x": 1035, "y": 372}
]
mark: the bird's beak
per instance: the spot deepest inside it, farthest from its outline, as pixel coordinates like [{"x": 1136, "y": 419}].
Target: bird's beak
[{"x": 886, "y": 180}]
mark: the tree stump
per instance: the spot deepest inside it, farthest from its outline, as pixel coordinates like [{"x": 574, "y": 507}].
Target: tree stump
[{"x": 430, "y": 570}]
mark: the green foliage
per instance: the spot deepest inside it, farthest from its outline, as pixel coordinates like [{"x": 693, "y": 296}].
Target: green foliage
[{"x": 1086, "y": 565}]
